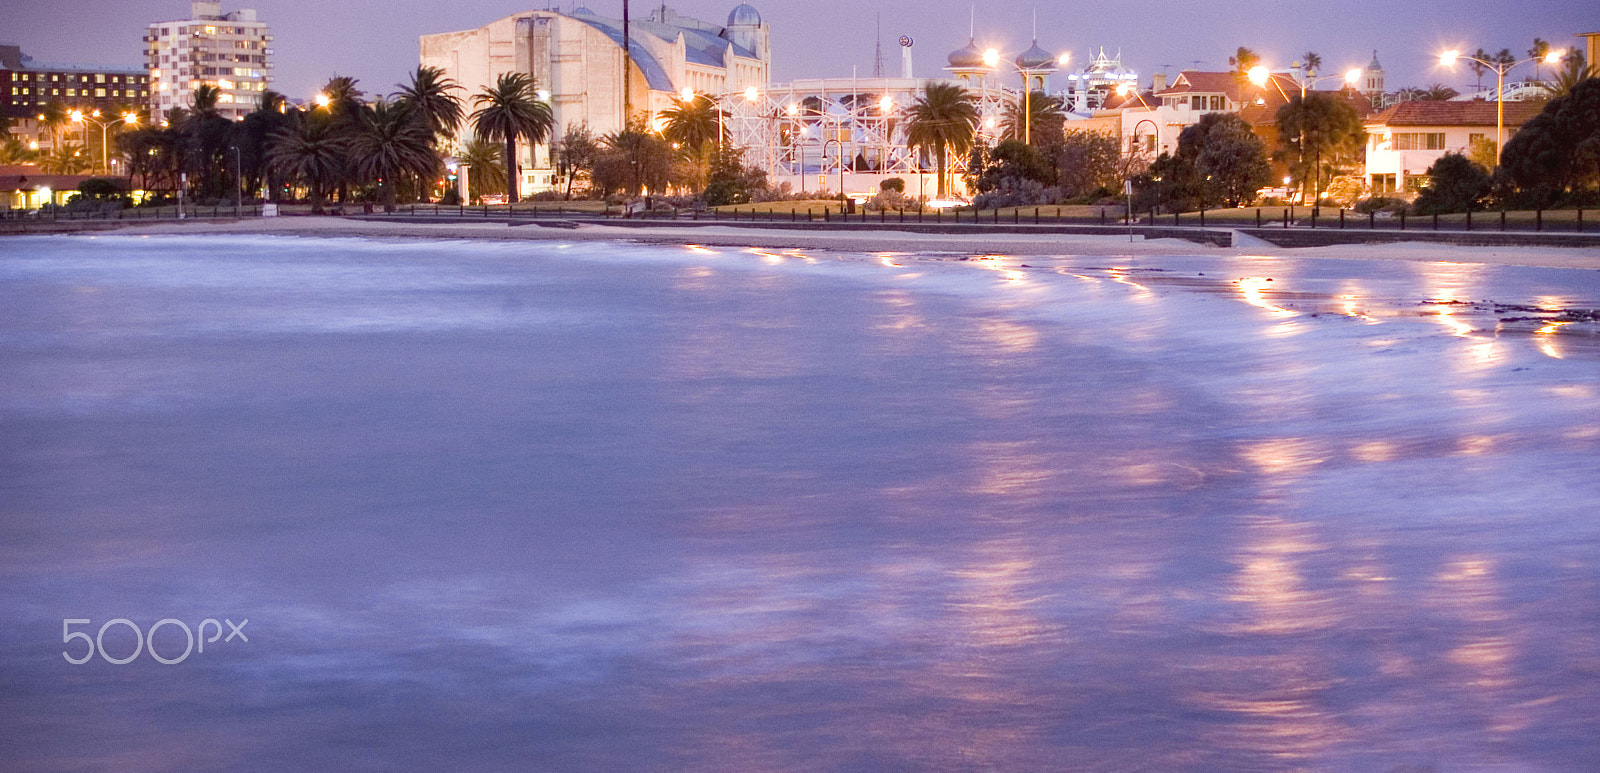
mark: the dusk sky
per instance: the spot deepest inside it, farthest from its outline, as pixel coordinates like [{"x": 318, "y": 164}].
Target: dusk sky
[{"x": 377, "y": 41}]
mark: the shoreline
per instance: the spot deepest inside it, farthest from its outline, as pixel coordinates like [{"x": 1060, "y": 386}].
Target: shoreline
[{"x": 883, "y": 240}]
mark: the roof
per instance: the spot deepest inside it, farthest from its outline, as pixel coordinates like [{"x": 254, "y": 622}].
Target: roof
[
  {"x": 27, "y": 177},
  {"x": 966, "y": 57},
  {"x": 1205, "y": 82},
  {"x": 1036, "y": 58},
  {"x": 701, "y": 46},
  {"x": 1437, "y": 113},
  {"x": 1263, "y": 110},
  {"x": 1132, "y": 99}
]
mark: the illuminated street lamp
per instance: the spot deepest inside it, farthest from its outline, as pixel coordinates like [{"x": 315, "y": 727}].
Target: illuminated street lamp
[
  {"x": 1449, "y": 58},
  {"x": 127, "y": 118},
  {"x": 1259, "y": 75},
  {"x": 1031, "y": 63}
]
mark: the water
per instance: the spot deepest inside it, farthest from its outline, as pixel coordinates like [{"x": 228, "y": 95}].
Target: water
[{"x": 619, "y": 507}]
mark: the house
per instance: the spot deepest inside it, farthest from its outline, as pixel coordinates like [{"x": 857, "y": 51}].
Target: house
[
  {"x": 23, "y": 186},
  {"x": 1404, "y": 140}
]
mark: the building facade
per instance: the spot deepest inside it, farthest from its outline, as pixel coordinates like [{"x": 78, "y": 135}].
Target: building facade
[
  {"x": 230, "y": 52},
  {"x": 28, "y": 86},
  {"x": 576, "y": 61},
  {"x": 1404, "y": 140}
]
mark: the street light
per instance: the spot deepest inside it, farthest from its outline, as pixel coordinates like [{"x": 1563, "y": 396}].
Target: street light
[
  {"x": 1259, "y": 75},
  {"x": 105, "y": 126},
  {"x": 991, "y": 59},
  {"x": 1448, "y": 59}
]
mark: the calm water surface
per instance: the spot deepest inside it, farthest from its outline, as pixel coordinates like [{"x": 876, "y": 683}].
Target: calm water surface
[{"x": 618, "y": 507}]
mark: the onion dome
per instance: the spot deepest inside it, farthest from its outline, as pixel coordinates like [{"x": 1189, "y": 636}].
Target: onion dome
[
  {"x": 743, "y": 15},
  {"x": 582, "y": 10},
  {"x": 1036, "y": 58},
  {"x": 967, "y": 57}
]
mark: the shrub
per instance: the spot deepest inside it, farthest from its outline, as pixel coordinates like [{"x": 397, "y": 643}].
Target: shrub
[
  {"x": 1456, "y": 184},
  {"x": 895, "y": 184}
]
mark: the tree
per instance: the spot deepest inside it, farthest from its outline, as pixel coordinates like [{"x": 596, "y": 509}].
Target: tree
[
  {"x": 15, "y": 151},
  {"x": 1559, "y": 149},
  {"x": 1438, "y": 92},
  {"x": 1013, "y": 160},
  {"x": 1455, "y": 184},
  {"x": 1482, "y": 151},
  {"x": 633, "y": 160},
  {"x": 65, "y": 158},
  {"x": 1086, "y": 163},
  {"x": 510, "y": 110},
  {"x": 390, "y": 141},
  {"x": 695, "y": 124},
  {"x": 310, "y": 151},
  {"x": 577, "y": 153},
  {"x": 486, "y": 168},
  {"x": 428, "y": 98},
  {"x": 1478, "y": 67},
  {"x": 1573, "y": 72},
  {"x": 1230, "y": 160},
  {"x": 252, "y": 135},
  {"x": 1046, "y": 119},
  {"x": 1540, "y": 49},
  {"x": 943, "y": 119},
  {"x": 1241, "y": 62},
  {"x": 730, "y": 180},
  {"x": 1311, "y": 62},
  {"x": 1321, "y": 127}
]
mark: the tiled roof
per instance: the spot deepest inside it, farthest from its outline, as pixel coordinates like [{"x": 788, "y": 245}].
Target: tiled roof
[
  {"x": 1266, "y": 111},
  {"x": 1205, "y": 83},
  {"x": 1438, "y": 113}
]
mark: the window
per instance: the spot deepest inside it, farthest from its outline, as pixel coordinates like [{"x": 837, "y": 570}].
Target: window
[
  {"x": 100, "y": 93},
  {"x": 1218, "y": 103},
  {"x": 1197, "y": 103},
  {"x": 1475, "y": 138},
  {"x": 99, "y": 77},
  {"x": 1382, "y": 183},
  {"x": 1419, "y": 141}
]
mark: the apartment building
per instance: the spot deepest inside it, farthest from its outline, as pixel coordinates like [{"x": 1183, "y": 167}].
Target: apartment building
[{"x": 231, "y": 52}]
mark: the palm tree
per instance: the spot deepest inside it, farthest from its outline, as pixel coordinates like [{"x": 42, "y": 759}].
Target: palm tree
[
  {"x": 1478, "y": 67},
  {"x": 1046, "y": 117},
  {"x": 1541, "y": 47},
  {"x": 486, "y": 164},
  {"x": 1312, "y": 62},
  {"x": 429, "y": 98},
  {"x": 509, "y": 110},
  {"x": 1572, "y": 73},
  {"x": 15, "y": 151},
  {"x": 944, "y": 118},
  {"x": 391, "y": 141},
  {"x": 311, "y": 151},
  {"x": 344, "y": 99},
  {"x": 695, "y": 123},
  {"x": 1241, "y": 62},
  {"x": 1438, "y": 92},
  {"x": 66, "y": 158}
]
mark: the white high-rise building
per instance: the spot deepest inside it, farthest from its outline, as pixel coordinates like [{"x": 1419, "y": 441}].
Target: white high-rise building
[{"x": 231, "y": 52}]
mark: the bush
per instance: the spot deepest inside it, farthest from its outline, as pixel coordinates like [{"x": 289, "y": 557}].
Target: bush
[
  {"x": 895, "y": 184},
  {"x": 1379, "y": 204},
  {"x": 890, "y": 200},
  {"x": 451, "y": 198},
  {"x": 1456, "y": 184}
]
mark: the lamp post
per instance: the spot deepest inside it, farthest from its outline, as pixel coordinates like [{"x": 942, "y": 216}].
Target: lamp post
[
  {"x": 238, "y": 184},
  {"x": 841, "y": 163},
  {"x": 991, "y": 59},
  {"x": 105, "y": 126},
  {"x": 1449, "y": 58}
]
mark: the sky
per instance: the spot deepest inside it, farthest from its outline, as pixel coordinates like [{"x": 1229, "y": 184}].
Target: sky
[{"x": 376, "y": 40}]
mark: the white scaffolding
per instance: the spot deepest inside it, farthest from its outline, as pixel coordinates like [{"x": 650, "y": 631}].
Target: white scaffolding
[{"x": 798, "y": 132}]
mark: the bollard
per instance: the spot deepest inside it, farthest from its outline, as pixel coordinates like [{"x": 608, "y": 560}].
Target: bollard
[
  {"x": 1202, "y": 217},
  {"x": 1580, "y": 219},
  {"x": 1502, "y": 220},
  {"x": 1469, "y": 218},
  {"x": 1036, "y": 216},
  {"x": 1286, "y": 219},
  {"x": 1102, "y": 215},
  {"x": 1341, "y": 218},
  {"x": 1436, "y": 221},
  {"x": 1538, "y": 219},
  {"x": 1175, "y": 217},
  {"x": 1258, "y": 217},
  {"x": 1402, "y": 220},
  {"x": 1314, "y": 212}
]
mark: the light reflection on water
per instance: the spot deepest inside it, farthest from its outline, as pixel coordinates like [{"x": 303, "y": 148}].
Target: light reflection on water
[{"x": 669, "y": 509}]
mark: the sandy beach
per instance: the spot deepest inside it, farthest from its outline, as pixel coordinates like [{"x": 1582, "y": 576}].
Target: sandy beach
[{"x": 886, "y": 240}]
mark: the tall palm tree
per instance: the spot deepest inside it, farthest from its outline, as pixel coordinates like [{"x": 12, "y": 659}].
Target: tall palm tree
[
  {"x": 428, "y": 97},
  {"x": 695, "y": 123},
  {"x": 344, "y": 99},
  {"x": 486, "y": 167},
  {"x": 310, "y": 151},
  {"x": 1572, "y": 73},
  {"x": 944, "y": 119},
  {"x": 391, "y": 141},
  {"x": 1478, "y": 67},
  {"x": 1541, "y": 47},
  {"x": 1312, "y": 61},
  {"x": 1241, "y": 62},
  {"x": 508, "y": 110}
]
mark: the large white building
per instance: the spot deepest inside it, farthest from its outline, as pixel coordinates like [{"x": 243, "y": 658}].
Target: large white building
[
  {"x": 231, "y": 52},
  {"x": 576, "y": 62}
]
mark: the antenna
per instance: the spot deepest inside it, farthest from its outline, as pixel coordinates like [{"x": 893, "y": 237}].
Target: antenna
[
  {"x": 972, "y": 23},
  {"x": 877, "y": 49},
  {"x": 1036, "y": 24}
]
